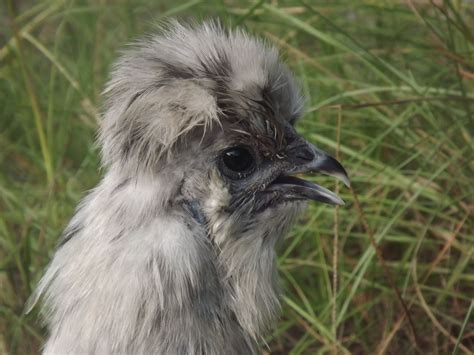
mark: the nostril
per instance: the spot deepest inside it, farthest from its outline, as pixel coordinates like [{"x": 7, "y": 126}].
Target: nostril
[
  {"x": 301, "y": 150},
  {"x": 304, "y": 152}
]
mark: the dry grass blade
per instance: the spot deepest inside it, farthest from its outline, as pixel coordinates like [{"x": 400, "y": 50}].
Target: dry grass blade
[
  {"x": 335, "y": 248},
  {"x": 435, "y": 321},
  {"x": 387, "y": 271}
]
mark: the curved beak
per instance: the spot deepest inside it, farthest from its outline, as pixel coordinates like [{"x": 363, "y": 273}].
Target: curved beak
[
  {"x": 325, "y": 164},
  {"x": 306, "y": 158}
]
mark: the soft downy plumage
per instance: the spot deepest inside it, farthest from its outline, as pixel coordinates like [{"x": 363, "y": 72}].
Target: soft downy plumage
[{"x": 174, "y": 251}]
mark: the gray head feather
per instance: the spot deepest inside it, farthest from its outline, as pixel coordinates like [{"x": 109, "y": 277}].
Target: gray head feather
[{"x": 173, "y": 252}]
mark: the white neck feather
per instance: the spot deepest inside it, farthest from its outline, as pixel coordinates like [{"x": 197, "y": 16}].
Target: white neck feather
[{"x": 135, "y": 277}]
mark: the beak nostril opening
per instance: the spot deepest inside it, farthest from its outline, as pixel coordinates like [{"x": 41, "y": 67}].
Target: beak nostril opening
[{"x": 305, "y": 153}]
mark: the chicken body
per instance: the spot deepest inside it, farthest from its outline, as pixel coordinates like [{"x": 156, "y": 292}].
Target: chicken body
[{"x": 174, "y": 251}]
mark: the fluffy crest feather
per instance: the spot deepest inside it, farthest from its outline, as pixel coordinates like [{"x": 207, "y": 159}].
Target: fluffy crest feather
[{"x": 192, "y": 78}]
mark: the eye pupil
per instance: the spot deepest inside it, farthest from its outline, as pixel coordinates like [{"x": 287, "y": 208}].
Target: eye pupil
[{"x": 237, "y": 159}]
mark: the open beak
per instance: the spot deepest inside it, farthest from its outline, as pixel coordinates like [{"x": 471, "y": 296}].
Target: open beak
[{"x": 309, "y": 159}]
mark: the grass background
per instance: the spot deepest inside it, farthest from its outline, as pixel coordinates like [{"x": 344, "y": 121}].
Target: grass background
[{"x": 390, "y": 88}]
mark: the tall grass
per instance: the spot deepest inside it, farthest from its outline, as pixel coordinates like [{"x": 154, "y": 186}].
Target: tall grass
[{"x": 390, "y": 90}]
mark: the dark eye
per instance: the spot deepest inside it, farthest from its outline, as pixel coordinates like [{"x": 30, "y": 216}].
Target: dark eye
[{"x": 237, "y": 162}]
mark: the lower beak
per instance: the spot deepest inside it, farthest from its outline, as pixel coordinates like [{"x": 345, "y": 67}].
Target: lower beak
[{"x": 295, "y": 188}]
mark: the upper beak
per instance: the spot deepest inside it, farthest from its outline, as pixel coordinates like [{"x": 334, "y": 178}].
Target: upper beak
[{"x": 306, "y": 158}]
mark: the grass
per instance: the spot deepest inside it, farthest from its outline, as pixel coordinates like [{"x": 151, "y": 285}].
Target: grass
[{"x": 390, "y": 89}]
